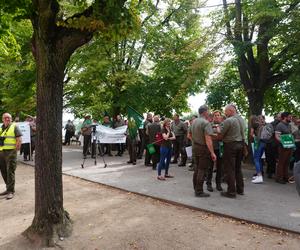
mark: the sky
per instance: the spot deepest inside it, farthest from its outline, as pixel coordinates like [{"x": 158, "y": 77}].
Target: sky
[{"x": 196, "y": 101}]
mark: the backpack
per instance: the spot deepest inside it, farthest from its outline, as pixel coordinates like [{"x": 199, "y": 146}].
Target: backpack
[
  {"x": 158, "y": 138},
  {"x": 267, "y": 132}
]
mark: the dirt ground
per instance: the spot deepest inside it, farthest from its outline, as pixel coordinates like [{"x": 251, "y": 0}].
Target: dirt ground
[{"x": 105, "y": 218}]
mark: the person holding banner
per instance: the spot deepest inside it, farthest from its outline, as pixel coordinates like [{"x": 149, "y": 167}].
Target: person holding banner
[
  {"x": 283, "y": 132},
  {"x": 10, "y": 142}
]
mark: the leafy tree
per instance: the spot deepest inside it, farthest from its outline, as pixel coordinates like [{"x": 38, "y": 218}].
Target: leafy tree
[
  {"x": 226, "y": 88},
  {"x": 264, "y": 35},
  {"x": 154, "y": 70},
  {"x": 56, "y": 35},
  {"x": 17, "y": 72}
]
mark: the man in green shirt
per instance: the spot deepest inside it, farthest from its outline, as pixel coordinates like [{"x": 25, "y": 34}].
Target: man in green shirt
[
  {"x": 201, "y": 132},
  {"x": 180, "y": 130},
  {"x": 86, "y": 132},
  {"x": 232, "y": 133}
]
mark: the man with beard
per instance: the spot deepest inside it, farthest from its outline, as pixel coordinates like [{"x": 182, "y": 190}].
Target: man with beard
[
  {"x": 283, "y": 128},
  {"x": 272, "y": 149}
]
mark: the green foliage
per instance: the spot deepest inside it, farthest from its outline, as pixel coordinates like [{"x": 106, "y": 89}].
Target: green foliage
[
  {"x": 265, "y": 45},
  {"x": 155, "y": 71},
  {"x": 17, "y": 72},
  {"x": 226, "y": 88}
]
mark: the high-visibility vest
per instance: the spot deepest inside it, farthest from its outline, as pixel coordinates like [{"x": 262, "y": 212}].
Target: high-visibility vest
[{"x": 10, "y": 138}]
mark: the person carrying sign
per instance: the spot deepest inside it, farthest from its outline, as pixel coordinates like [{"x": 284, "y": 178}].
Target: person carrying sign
[
  {"x": 10, "y": 142},
  {"x": 283, "y": 134}
]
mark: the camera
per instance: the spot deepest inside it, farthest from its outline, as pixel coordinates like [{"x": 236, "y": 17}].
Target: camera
[
  {"x": 93, "y": 126},
  {"x": 2, "y": 138}
]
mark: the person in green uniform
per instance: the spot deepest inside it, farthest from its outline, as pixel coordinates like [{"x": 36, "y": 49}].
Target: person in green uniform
[{"x": 203, "y": 151}]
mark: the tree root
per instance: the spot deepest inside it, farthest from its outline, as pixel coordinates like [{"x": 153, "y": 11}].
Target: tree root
[{"x": 43, "y": 233}]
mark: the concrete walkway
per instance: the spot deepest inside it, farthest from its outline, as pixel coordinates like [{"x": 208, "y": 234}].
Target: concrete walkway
[{"x": 270, "y": 203}]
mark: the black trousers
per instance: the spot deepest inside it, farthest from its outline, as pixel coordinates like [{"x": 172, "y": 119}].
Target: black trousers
[
  {"x": 203, "y": 163},
  {"x": 8, "y": 165},
  {"x": 179, "y": 149},
  {"x": 271, "y": 152},
  {"x": 86, "y": 144},
  {"x": 132, "y": 143},
  {"x": 233, "y": 155},
  {"x": 219, "y": 165}
]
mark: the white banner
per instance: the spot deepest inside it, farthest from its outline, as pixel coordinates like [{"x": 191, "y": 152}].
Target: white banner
[
  {"x": 25, "y": 130},
  {"x": 110, "y": 135}
]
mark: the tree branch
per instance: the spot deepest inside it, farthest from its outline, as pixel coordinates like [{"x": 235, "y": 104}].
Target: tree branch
[
  {"x": 279, "y": 78},
  {"x": 238, "y": 21},
  {"x": 227, "y": 21}
]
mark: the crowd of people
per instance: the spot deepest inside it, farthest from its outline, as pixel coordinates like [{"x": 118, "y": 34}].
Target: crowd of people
[{"x": 219, "y": 144}]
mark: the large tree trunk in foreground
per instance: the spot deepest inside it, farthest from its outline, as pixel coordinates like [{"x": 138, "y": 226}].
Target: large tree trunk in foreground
[
  {"x": 52, "y": 47},
  {"x": 50, "y": 221}
]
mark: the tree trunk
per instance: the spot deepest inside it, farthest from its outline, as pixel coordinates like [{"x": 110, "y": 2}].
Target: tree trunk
[
  {"x": 256, "y": 101},
  {"x": 51, "y": 221}
]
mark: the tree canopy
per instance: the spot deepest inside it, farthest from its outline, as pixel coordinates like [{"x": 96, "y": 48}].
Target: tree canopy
[
  {"x": 263, "y": 36},
  {"x": 153, "y": 70}
]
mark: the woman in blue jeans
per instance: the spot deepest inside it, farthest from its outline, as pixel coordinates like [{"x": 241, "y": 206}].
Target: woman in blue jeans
[
  {"x": 259, "y": 148},
  {"x": 165, "y": 150}
]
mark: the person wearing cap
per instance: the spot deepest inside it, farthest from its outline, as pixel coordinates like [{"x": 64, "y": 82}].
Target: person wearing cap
[
  {"x": 10, "y": 142},
  {"x": 86, "y": 132},
  {"x": 201, "y": 133}
]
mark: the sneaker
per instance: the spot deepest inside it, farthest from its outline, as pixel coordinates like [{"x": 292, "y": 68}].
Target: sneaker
[
  {"x": 181, "y": 165},
  {"x": 258, "y": 179},
  {"x": 9, "y": 196}
]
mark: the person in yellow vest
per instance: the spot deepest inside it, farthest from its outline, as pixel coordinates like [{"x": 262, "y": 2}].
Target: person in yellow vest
[{"x": 10, "y": 142}]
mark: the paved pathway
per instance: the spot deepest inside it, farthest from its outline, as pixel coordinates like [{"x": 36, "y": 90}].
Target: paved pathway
[{"x": 269, "y": 203}]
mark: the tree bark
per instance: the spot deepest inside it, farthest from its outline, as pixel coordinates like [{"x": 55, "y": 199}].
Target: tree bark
[
  {"x": 50, "y": 221},
  {"x": 256, "y": 102},
  {"x": 52, "y": 47}
]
